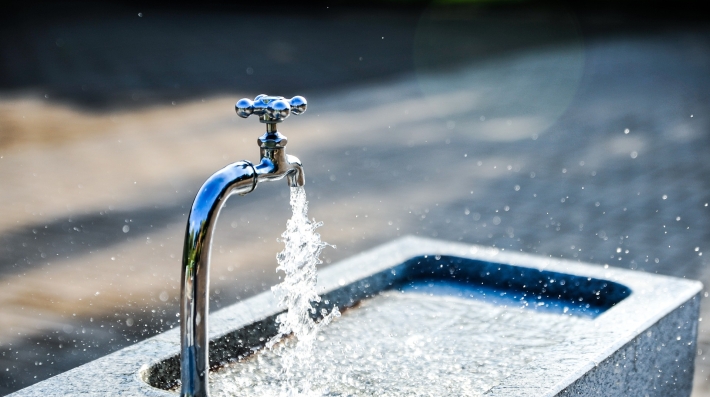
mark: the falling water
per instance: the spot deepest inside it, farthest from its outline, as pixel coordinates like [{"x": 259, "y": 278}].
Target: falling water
[{"x": 297, "y": 294}]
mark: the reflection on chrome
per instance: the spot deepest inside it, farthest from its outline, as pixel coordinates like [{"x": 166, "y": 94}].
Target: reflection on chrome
[{"x": 240, "y": 177}]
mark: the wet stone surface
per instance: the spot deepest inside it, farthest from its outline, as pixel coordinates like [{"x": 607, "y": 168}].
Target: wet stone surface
[{"x": 652, "y": 334}]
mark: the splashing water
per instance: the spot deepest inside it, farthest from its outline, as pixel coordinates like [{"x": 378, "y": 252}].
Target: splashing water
[
  {"x": 415, "y": 344},
  {"x": 297, "y": 293},
  {"x": 394, "y": 344}
]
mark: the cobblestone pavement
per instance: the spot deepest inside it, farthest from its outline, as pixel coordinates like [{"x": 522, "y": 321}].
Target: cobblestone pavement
[{"x": 586, "y": 148}]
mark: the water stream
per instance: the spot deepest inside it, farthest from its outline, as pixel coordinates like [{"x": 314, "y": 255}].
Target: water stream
[{"x": 297, "y": 293}]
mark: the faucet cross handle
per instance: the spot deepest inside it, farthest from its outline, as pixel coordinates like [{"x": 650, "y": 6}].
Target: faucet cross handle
[{"x": 271, "y": 109}]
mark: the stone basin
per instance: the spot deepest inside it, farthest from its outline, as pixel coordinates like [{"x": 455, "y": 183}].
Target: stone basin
[{"x": 571, "y": 329}]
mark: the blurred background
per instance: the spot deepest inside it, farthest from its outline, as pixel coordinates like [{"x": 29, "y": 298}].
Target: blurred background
[{"x": 576, "y": 130}]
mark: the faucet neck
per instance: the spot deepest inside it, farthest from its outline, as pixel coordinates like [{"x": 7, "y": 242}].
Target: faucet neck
[
  {"x": 271, "y": 128},
  {"x": 272, "y": 140}
]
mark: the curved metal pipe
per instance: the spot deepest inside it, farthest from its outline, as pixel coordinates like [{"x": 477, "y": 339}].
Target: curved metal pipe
[
  {"x": 240, "y": 177},
  {"x": 234, "y": 178}
]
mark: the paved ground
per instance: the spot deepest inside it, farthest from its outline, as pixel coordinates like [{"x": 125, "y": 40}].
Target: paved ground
[{"x": 542, "y": 132}]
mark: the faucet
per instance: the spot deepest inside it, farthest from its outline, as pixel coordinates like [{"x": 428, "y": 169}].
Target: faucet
[{"x": 240, "y": 177}]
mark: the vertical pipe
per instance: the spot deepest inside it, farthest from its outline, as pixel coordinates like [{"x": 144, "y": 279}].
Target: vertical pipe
[{"x": 194, "y": 305}]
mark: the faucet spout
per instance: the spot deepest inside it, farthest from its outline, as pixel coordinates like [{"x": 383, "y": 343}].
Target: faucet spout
[
  {"x": 296, "y": 178},
  {"x": 275, "y": 163},
  {"x": 241, "y": 178}
]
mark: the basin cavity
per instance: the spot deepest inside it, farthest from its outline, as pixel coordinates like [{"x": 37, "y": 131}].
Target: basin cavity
[
  {"x": 433, "y": 326},
  {"x": 426, "y": 339}
]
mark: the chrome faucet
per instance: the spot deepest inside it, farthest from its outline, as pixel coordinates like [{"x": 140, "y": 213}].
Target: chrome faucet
[{"x": 240, "y": 177}]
